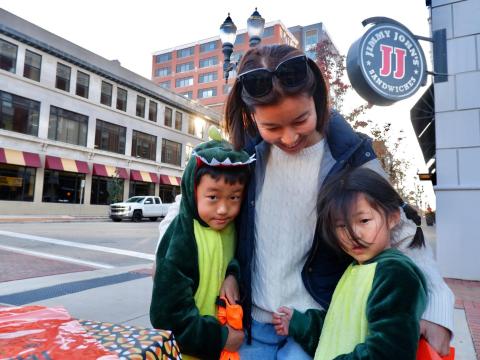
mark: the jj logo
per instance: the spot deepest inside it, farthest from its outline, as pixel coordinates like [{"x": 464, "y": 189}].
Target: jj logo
[{"x": 399, "y": 59}]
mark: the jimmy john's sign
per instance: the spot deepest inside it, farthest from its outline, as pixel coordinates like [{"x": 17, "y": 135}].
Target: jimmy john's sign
[{"x": 386, "y": 64}]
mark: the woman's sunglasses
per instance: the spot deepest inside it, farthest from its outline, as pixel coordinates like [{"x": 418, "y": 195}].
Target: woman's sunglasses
[{"x": 291, "y": 73}]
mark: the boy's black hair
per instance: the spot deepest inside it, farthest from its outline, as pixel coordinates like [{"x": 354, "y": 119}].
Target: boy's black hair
[
  {"x": 340, "y": 193},
  {"x": 231, "y": 174}
]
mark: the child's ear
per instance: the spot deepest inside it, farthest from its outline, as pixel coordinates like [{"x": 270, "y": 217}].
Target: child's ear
[{"x": 393, "y": 219}]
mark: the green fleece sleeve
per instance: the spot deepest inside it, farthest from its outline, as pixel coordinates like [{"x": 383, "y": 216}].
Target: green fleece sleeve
[
  {"x": 394, "y": 309},
  {"x": 173, "y": 308},
  {"x": 305, "y": 328}
]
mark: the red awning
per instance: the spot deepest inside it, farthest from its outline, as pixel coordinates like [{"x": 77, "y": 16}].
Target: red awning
[
  {"x": 57, "y": 163},
  {"x": 170, "y": 180},
  {"x": 109, "y": 171},
  {"x": 144, "y": 176},
  {"x": 22, "y": 158}
]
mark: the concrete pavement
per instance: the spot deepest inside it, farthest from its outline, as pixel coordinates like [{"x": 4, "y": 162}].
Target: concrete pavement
[{"x": 122, "y": 295}]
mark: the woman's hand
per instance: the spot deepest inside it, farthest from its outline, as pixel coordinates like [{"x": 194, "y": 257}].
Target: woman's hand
[
  {"x": 230, "y": 290},
  {"x": 437, "y": 336},
  {"x": 281, "y": 320}
]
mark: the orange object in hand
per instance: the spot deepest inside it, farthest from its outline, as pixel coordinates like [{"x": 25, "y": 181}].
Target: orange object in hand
[
  {"x": 232, "y": 315},
  {"x": 426, "y": 352}
]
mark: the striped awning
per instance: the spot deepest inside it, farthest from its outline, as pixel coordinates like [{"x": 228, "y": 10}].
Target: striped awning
[
  {"x": 109, "y": 171},
  {"x": 143, "y": 176},
  {"x": 57, "y": 163},
  {"x": 23, "y": 158},
  {"x": 170, "y": 180}
]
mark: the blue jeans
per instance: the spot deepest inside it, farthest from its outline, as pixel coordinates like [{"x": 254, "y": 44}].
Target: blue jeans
[{"x": 267, "y": 345}]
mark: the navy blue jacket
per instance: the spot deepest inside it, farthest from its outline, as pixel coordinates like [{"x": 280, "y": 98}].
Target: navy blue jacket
[{"x": 323, "y": 267}]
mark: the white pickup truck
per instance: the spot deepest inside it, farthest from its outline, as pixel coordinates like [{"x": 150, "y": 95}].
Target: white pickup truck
[{"x": 139, "y": 207}]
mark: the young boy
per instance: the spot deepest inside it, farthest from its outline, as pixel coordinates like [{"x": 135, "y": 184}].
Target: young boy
[{"x": 196, "y": 252}]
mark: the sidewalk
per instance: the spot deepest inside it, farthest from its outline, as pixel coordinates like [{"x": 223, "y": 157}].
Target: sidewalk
[{"x": 49, "y": 218}]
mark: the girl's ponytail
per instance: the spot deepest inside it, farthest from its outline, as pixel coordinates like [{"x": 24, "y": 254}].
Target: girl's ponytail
[{"x": 418, "y": 240}]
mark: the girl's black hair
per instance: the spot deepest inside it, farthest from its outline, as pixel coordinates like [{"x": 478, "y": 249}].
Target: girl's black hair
[
  {"x": 339, "y": 194},
  {"x": 240, "y": 105}
]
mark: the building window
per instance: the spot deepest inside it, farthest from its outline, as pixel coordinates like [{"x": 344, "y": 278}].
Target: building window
[
  {"x": 185, "y": 52},
  {"x": 33, "y": 64},
  {"x": 268, "y": 32},
  {"x": 207, "y": 77},
  {"x": 171, "y": 152},
  {"x": 163, "y": 72},
  {"x": 140, "y": 111},
  {"x": 83, "y": 82},
  {"x": 152, "y": 111},
  {"x": 8, "y": 56},
  {"x": 110, "y": 137},
  {"x": 211, "y": 61},
  {"x": 188, "y": 153},
  {"x": 210, "y": 46},
  {"x": 106, "y": 96},
  {"x": 67, "y": 126},
  {"x": 187, "y": 94},
  {"x": 17, "y": 183},
  {"x": 19, "y": 114},
  {"x": 144, "y": 145},
  {"x": 240, "y": 39},
  {"x": 191, "y": 125},
  {"x": 63, "y": 77},
  {"x": 168, "y": 117},
  {"x": 62, "y": 186},
  {"x": 185, "y": 67},
  {"x": 178, "y": 120},
  {"x": 206, "y": 93},
  {"x": 106, "y": 190},
  {"x": 163, "y": 57},
  {"x": 187, "y": 81},
  {"x": 165, "y": 84},
  {"x": 121, "y": 99},
  {"x": 237, "y": 56},
  {"x": 311, "y": 39}
]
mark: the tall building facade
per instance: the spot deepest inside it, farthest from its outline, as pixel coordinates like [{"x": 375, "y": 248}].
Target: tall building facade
[
  {"x": 195, "y": 70},
  {"x": 78, "y": 131}
]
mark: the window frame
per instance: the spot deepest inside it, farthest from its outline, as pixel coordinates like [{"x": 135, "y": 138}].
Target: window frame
[
  {"x": 113, "y": 130},
  {"x": 152, "y": 111},
  {"x": 5, "y": 59},
  {"x": 59, "y": 78},
  {"x": 121, "y": 102},
  {"x": 87, "y": 86},
  {"x": 103, "y": 95},
  {"x": 140, "y": 108},
  {"x": 31, "y": 67},
  {"x": 173, "y": 152},
  {"x": 60, "y": 134},
  {"x": 139, "y": 135}
]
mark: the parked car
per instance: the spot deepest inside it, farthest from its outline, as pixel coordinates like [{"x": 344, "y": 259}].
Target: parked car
[{"x": 138, "y": 207}]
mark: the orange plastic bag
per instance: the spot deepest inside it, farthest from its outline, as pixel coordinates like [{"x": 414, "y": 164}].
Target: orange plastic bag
[
  {"x": 426, "y": 352},
  {"x": 231, "y": 315},
  {"x": 38, "y": 332}
]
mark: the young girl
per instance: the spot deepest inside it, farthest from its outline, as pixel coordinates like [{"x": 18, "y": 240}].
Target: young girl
[{"x": 377, "y": 304}]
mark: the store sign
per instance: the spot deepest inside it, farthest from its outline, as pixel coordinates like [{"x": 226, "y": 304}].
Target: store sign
[{"x": 386, "y": 64}]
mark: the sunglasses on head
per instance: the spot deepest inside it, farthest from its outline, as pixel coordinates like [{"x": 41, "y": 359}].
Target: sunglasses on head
[{"x": 291, "y": 73}]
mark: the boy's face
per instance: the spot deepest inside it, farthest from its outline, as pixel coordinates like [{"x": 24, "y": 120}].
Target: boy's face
[{"x": 218, "y": 203}]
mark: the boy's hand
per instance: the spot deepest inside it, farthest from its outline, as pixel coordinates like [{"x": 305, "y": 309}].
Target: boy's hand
[
  {"x": 437, "y": 336},
  {"x": 281, "y": 320},
  {"x": 230, "y": 290},
  {"x": 234, "y": 339}
]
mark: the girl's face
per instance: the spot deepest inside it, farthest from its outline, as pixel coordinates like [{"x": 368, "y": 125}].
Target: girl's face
[
  {"x": 289, "y": 124},
  {"x": 371, "y": 227}
]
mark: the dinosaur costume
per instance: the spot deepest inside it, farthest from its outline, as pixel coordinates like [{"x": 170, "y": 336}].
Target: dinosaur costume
[
  {"x": 374, "y": 314},
  {"x": 192, "y": 261}
]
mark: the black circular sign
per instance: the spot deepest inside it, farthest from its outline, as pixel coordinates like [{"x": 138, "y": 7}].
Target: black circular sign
[{"x": 386, "y": 64}]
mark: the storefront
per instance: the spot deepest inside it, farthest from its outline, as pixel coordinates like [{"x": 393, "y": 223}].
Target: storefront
[
  {"x": 17, "y": 174},
  {"x": 169, "y": 187},
  {"x": 142, "y": 183},
  {"x": 108, "y": 184}
]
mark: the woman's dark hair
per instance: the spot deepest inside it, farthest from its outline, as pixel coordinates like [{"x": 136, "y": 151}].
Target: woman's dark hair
[
  {"x": 240, "y": 105},
  {"x": 339, "y": 194}
]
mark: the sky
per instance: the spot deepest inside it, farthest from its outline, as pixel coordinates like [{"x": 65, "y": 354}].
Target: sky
[{"x": 131, "y": 31}]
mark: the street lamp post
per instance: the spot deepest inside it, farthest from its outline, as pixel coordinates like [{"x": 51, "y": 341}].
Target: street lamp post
[{"x": 228, "y": 33}]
